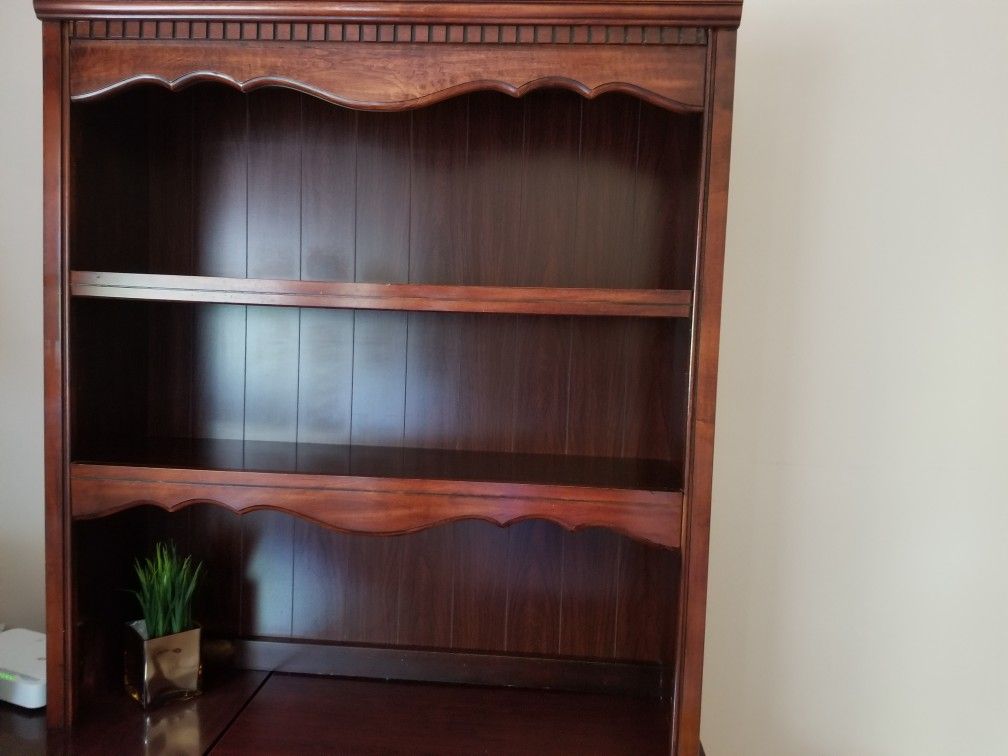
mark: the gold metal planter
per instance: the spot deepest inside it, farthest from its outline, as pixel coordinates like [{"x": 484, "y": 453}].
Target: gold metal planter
[{"x": 162, "y": 669}]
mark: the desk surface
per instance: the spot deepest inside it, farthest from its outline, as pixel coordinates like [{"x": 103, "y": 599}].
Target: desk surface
[{"x": 252, "y": 713}]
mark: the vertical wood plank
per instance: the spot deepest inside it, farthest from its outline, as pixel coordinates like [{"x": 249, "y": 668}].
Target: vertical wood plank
[
  {"x": 383, "y": 197},
  {"x": 653, "y": 389},
  {"x": 170, "y": 182},
  {"x": 107, "y": 223},
  {"x": 215, "y": 537},
  {"x": 597, "y": 386},
  {"x": 666, "y": 199},
  {"x": 267, "y": 590},
  {"x": 433, "y": 381},
  {"x": 604, "y": 232},
  {"x": 169, "y": 401},
  {"x": 644, "y": 619},
  {"x": 320, "y": 582},
  {"x": 425, "y": 593},
  {"x": 219, "y": 372},
  {"x": 325, "y": 376},
  {"x": 590, "y": 579},
  {"x": 541, "y": 384},
  {"x": 110, "y": 375},
  {"x": 274, "y": 184},
  {"x": 479, "y": 598},
  {"x": 221, "y": 158},
  {"x": 543, "y": 256},
  {"x": 328, "y": 191},
  {"x": 487, "y": 396},
  {"x": 372, "y": 590},
  {"x": 440, "y": 252},
  {"x": 495, "y": 159},
  {"x": 271, "y": 379},
  {"x": 535, "y": 569},
  {"x": 379, "y": 378}
]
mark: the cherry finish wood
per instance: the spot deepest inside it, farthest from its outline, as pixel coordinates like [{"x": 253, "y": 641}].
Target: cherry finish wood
[
  {"x": 580, "y": 12},
  {"x": 373, "y": 505},
  {"x": 296, "y": 715},
  {"x": 513, "y": 719},
  {"x": 57, "y": 509},
  {"x": 402, "y": 198},
  {"x": 414, "y": 33},
  {"x": 112, "y": 723},
  {"x": 473, "y": 309},
  {"x": 706, "y": 337},
  {"x": 423, "y": 665},
  {"x": 282, "y": 576},
  {"x": 651, "y": 303},
  {"x": 392, "y": 463},
  {"x": 379, "y": 384},
  {"x": 390, "y": 79}
]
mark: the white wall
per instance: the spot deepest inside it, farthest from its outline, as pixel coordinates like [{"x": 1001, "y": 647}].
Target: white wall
[
  {"x": 859, "y": 575},
  {"x": 21, "y": 566}
]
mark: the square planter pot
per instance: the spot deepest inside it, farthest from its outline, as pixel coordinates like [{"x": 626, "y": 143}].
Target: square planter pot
[{"x": 162, "y": 669}]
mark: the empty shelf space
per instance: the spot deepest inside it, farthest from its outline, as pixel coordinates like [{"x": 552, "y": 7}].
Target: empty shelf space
[
  {"x": 369, "y": 296},
  {"x": 383, "y": 490},
  {"x": 293, "y": 714},
  {"x": 548, "y": 190}
]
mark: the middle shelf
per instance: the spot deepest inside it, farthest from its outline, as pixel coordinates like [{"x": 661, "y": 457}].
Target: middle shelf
[
  {"x": 657, "y": 303},
  {"x": 340, "y": 415},
  {"x": 383, "y": 490}
]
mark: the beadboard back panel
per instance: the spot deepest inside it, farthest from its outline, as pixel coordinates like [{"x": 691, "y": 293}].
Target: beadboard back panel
[{"x": 484, "y": 189}]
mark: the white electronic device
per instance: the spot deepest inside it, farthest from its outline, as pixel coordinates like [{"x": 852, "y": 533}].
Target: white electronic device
[{"x": 23, "y": 668}]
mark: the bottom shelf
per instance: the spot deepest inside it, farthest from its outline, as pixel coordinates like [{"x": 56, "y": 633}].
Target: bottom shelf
[
  {"x": 114, "y": 723},
  {"x": 296, "y": 715},
  {"x": 263, "y": 713}
]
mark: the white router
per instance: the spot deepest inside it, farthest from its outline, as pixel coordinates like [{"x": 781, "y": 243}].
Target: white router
[{"x": 23, "y": 668}]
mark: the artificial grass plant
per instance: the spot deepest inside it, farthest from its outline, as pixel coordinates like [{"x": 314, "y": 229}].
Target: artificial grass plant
[{"x": 167, "y": 584}]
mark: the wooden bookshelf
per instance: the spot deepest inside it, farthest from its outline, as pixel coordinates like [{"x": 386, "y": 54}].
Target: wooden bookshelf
[
  {"x": 404, "y": 320},
  {"x": 365, "y": 717}
]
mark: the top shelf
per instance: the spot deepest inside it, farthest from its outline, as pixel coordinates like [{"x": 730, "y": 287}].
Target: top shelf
[{"x": 648, "y": 303}]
